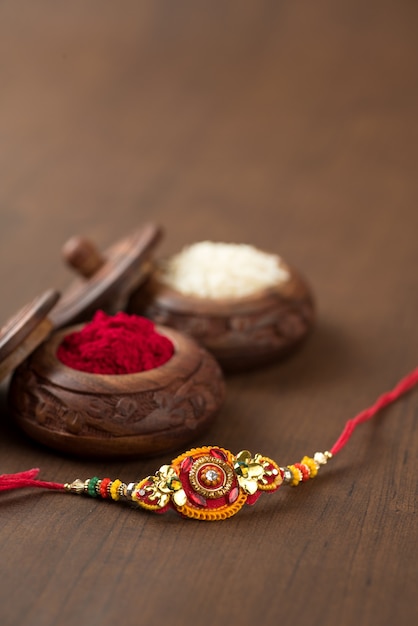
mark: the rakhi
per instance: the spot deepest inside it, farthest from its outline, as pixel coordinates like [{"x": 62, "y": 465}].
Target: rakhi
[{"x": 210, "y": 483}]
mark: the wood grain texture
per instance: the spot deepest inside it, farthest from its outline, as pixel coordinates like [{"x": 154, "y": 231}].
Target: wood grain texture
[{"x": 288, "y": 125}]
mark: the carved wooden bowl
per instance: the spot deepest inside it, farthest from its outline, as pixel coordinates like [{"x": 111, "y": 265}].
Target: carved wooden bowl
[
  {"x": 114, "y": 416},
  {"x": 242, "y": 332}
]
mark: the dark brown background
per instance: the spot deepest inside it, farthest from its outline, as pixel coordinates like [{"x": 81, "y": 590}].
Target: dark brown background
[{"x": 289, "y": 125}]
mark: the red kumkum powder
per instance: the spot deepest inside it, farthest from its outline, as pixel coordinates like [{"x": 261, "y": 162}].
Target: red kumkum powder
[{"x": 118, "y": 344}]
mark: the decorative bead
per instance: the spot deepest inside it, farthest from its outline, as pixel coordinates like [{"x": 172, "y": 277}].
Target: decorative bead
[
  {"x": 104, "y": 487},
  {"x": 313, "y": 465},
  {"x": 130, "y": 489},
  {"x": 114, "y": 489},
  {"x": 77, "y": 486},
  {"x": 296, "y": 475},
  {"x": 304, "y": 470},
  {"x": 91, "y": 487},
  {"x": 321, "y": 457},
  {"x": 287, "y": 475}
]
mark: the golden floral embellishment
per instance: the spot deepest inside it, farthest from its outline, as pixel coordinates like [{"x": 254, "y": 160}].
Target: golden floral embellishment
[
  {"x": 249, "y": 470},
  {"x": 165, "y": 485}
]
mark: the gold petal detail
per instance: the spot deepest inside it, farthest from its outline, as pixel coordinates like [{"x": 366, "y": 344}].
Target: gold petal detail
[
  {"x": 163, "y": 499},
  {"x": 249, "y": 485},
  {"x": 255, "y": 470},
  {"x": 244, "y": 456}
]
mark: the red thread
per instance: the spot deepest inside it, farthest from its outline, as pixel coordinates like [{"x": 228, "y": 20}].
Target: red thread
[
  {"x": 118, "y": 344},
  {"x": 384, "y": 400},
  {"x": 25, "y": 479}
]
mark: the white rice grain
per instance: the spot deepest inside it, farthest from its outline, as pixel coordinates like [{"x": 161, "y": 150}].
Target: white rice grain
[{"x": 222, "y": 270}]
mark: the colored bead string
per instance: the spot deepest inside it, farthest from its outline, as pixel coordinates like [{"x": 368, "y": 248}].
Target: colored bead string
[{"x": 104, "y": 488}]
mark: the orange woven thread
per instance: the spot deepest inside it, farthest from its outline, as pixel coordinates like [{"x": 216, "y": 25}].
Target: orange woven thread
[{"x": 213, "y": 515}]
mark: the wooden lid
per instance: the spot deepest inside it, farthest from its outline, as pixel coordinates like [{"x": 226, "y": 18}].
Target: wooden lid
[
  {"x": 106, "y": 280},
  {"x": 25, "y": 331}
]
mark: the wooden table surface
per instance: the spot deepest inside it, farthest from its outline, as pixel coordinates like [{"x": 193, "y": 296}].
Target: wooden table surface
[{"x": 288, "y": 125}]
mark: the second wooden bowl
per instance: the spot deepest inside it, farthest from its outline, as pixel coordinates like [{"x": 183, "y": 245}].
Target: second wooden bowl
[{"x": 242, "y": 332}]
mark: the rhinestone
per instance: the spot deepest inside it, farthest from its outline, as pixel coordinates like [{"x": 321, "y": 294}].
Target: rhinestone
[
  {"x": 218, "y": 454},
  {"x": 233, "y": 495},
  {"x": 141, "y": 493},
  {"x": 212, "y": 475},
  {"x": 196, "y": 499},
  {"x": 186, "y": 463}
]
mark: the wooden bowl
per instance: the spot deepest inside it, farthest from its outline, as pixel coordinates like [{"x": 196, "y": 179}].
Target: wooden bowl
[
  {"x": 115, "y": 416},
  {"x": 242, "y": 332}
]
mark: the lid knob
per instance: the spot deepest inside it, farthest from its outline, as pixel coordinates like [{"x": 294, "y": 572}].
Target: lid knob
[
  {"x": 105, "y": 280},
  {"x": 82, "y": 255}
]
